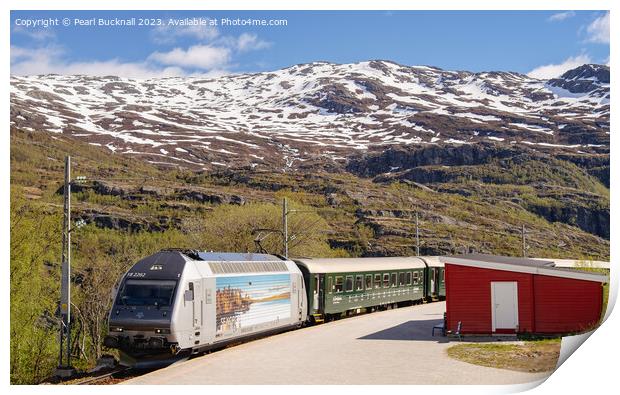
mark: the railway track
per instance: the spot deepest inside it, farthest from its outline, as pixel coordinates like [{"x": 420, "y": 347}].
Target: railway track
[{"x": 117, "y": 374}]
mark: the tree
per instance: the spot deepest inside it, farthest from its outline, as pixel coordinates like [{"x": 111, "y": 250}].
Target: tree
[
  {"x": 233, "y": 228},
  {"x": 101, "y": 257},
  {"x": 35, "y": 249}
]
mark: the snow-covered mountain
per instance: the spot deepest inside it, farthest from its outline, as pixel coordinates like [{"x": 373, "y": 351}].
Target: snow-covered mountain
[{"x": 316, "y": 112}]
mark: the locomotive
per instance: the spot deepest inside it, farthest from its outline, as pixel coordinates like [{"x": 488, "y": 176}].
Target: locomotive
[{"x": 176, "y": 303}]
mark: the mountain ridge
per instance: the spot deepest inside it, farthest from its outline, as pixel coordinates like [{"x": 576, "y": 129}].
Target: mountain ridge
[{"x": 317, "y": 112}]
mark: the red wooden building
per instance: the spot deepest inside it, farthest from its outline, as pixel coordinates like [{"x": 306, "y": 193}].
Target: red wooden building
[{"x": 493, "y": 294}]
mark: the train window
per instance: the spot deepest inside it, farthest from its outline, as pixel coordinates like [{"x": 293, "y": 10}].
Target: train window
[
  {"x": 416, "y": 278},
  {"x": 393, "y": 279},
  {"x": 408, "y": 278},
  {"x": 443, "y": 275},
  {"x": 158, "y": 293},
  {"x": 378, "y": 280},
  {"x": 401, "y": 279},
  {"x": 359, "y": 282},
  {"x": 369, "y": 281},
  {"x": 330, "y": 286},
  {"x": 386, "y": 280},
  {"x": 338, "y": 286},
  {"x": 348, "y": 284}
]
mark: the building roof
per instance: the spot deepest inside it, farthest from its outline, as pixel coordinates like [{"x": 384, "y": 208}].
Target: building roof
[
  {"x": 521, "y": 265},
  {"x": 344, "y": 265},
  {"x": 504, "y": 259},
  {"x": 577, "y": 263}
]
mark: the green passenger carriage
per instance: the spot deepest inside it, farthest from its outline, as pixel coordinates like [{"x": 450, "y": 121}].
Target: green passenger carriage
[{"x": 343, "y": 286}]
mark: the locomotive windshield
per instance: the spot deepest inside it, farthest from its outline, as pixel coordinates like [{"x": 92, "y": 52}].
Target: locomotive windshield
[{"x": 157, "y": 293}]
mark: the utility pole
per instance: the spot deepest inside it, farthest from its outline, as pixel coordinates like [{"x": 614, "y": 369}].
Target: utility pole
[
  {"x": 64, "y": 366},
  {"x": 285, "y": 226},
  {"x": 285, "y": 213},
  {"x": 523, "y": 240},
  {"x": 452, "y": 244},
  {"x": 417, "y": 235}
]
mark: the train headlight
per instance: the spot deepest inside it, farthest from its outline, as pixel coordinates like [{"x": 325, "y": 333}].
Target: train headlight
[
  {"x": 116, "y": 329},
  {"x": 162, "y": 331}
]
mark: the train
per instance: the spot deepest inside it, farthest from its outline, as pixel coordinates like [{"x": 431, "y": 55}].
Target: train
[{"x": 177, "y": 303}]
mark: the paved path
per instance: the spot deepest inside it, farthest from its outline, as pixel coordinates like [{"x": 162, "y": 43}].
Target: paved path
[{"x": 389, "y": 347}]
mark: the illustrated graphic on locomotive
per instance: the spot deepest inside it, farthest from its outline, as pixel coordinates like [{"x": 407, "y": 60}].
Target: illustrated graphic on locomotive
[{"x": 247, "y": 303}]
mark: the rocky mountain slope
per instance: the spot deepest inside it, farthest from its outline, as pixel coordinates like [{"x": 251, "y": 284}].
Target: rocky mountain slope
[
  {"x": 318, "y": 113},
  {"x": 366, "y": 216}
]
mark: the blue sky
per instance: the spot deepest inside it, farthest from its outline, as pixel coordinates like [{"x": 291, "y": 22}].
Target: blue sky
[{"x": 542, "y": 43}]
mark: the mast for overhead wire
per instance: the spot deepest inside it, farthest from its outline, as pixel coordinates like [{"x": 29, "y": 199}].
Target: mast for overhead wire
[
  {"x": 64, "y": 364},
  {"x": 523, "y": 246},
  {"x": 285, "y": 226},
  {"x": 417, "y": 235}
]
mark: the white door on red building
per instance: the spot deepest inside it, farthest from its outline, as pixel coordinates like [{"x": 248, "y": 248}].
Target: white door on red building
[{"x": 504, "y": 305}]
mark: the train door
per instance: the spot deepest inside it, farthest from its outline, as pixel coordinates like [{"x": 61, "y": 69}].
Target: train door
[
  {"x": 316, "y": 294},
  {"x": 207, "y": 332},
  {"x": 299, "y": 287},
  {"x": 198, "y": 304},
  {"x": 321, "y": 293},
  {"x": 441, "y": 289},
  {"x": 300, "y": 303}
]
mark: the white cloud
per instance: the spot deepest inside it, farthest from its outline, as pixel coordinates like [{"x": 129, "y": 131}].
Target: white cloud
[
  {"x": 205, "y": 60},
  {"x": 43, "y": 54},
  {"x": 26, "y": 61},
  {"x": 243, "y": 43},
  {"x": 167, "y": 34},
  {"x": 251, "y": 42},
  {"x": 560, "y": 16},
  {"x": 555, "y": 70},
  {"x": 38, "y": 34},
  {"x": 197, "y": 56},
  {"x": 118, "y": 68},
  {"x": 598, "y": 30}
]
